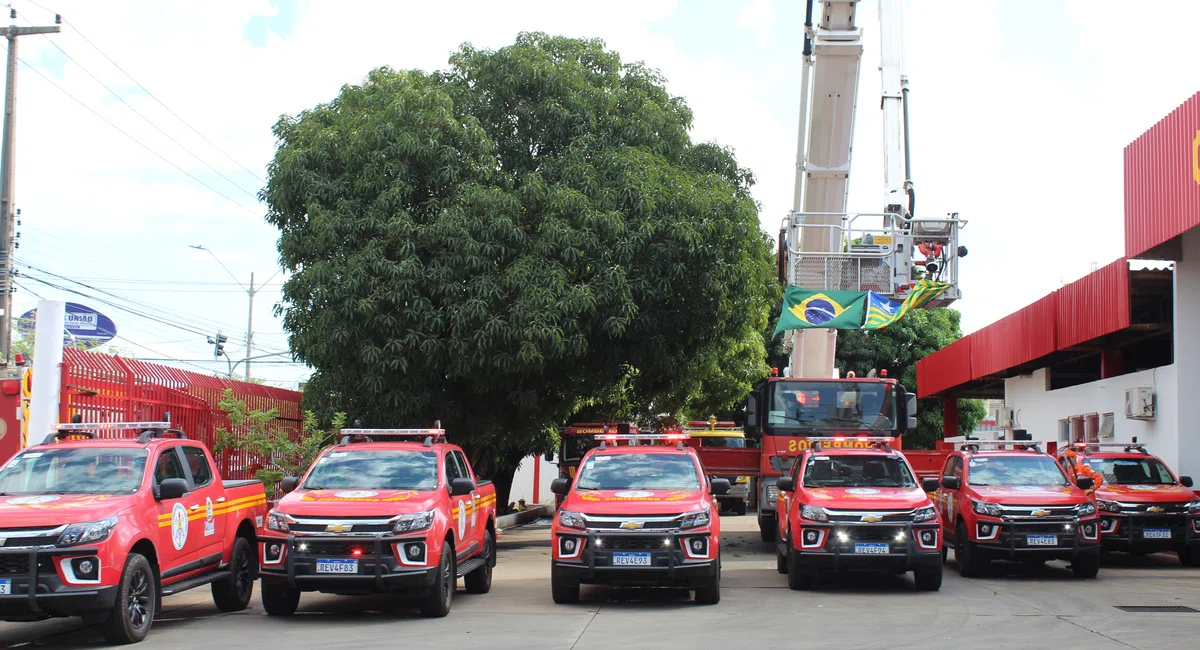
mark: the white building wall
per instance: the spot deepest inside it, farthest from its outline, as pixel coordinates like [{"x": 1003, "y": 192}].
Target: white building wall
[
  {"x": 1039, "y": 410},
  {"x": 522, "y": 487},
  {"x": 1187, "y": 352}
]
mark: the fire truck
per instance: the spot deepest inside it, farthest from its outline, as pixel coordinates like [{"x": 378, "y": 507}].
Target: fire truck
[
  {"x": 576, "y": 440},
  {"x": 725, "y": 435},
  {"x": 823, "y": 247}
]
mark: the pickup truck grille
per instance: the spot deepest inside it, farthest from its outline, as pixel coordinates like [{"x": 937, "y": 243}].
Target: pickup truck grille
[
  {"x": 614, "y": 522},
  {"x": 358, "y": 525},
  {"x": 337, "y": 549},
  {"x": 631, "y": 542},
  {"x": 40, "y": 536},
  {"x": 1051, "y": 511},
  {"x": 856, "y": 516},
  {"x": 873, "y": 533},
  {"x": 1167, "y": 508},
  {"x": 355, "y": 528},
  {"x": 18, "y": 565}
]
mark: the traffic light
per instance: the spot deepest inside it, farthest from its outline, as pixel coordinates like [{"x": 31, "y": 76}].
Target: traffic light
[{"x": 218, "y": 344}]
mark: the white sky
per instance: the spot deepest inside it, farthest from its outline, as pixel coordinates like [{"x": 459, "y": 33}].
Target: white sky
[{"x": 1020, "y": 110}]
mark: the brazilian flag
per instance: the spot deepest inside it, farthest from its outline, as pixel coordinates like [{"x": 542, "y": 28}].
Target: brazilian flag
[
  {"x": 882, "y": 312},
  {"x": 807, "y": 309}
]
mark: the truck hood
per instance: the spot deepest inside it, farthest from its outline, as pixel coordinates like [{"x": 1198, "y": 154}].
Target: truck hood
[
  {"x": 865, "y": 498},
  {"x": 1030, "y": 495},
  {"x": 1145, "y": 493},
  {"x": 56, "y": 509},
  {"x": 333, "y": 503},
  {"x": 636, "y": 502}
]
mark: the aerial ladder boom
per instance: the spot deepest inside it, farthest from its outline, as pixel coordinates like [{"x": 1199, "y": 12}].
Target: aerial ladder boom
[{"x": 822, "y": 246}]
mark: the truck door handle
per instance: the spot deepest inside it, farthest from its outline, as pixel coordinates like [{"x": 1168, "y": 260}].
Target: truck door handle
[
  {"x": 195, "y": 506},
  {"x": 221, "y": 500}
]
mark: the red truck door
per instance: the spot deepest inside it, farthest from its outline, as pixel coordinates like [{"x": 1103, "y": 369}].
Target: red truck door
[
  {"x": 458, "y": 504},
  {"x": 946, "y": 497},
  {"x": 474, "y": 526},
  {"x": 173, "y": 526},
  {"x": 206, "y": 528}
]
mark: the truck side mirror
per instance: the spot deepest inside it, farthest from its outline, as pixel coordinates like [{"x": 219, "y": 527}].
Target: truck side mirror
[
  {"x": 930, "y": 484},
  {"x": 1085, "y": 483},
  {"x": 461, "y": 487},
  {"x": 752, "y": 408},
  {"x": 786, "y": 484},
  {"x": 549, "y": 456},
  {"x": 288, "y": 484},
  {"x": 910, "y": 410},
  {"x": 1185, "y": 481},
  {"x": 721, "y": 486},
  {"x": 560, "y": 486},
  {"x": 951, "y": 482},
  {"x": 172, "y": 488}
]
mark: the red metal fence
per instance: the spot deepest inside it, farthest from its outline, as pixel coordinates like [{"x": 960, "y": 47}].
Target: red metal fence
[{"x": 104, "y": 388}]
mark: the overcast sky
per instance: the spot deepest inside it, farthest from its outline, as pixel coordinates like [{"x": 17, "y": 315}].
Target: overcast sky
[{"x": 1020, "y": 110}]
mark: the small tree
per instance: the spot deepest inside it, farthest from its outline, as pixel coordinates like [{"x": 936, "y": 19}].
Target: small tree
[{"x": 251, "y": 431}]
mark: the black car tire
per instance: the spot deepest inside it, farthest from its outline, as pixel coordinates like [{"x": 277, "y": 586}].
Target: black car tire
[
  {"x": 479, "y": 581},
  {"x": 133, "y": 611},
  {"x": 436, "y": 603},
  {"x": 232, "y": 593},
  {"x": 279, "y": 599},
  {"x": 1086, "y": 564}
]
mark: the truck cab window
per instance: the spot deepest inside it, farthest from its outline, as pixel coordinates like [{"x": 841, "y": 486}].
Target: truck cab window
[
  {"x": 198, "y": 463},
  {"x": 168, "y": 467}
]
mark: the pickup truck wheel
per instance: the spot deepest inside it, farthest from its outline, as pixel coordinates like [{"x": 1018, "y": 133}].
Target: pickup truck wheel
[
  {"x": 928, "y": 576},
  {"x": 781, "y": 564},
  {"x": 1189, "y": 556},
  {"x": 232, "y": 593},
  {"x": 437, "y": 603},
  {"x": 766, "y": 527},
  {"x": 710, "y": 594},
  {"x": 1086, "y": 564},
  {"x": 279, "y": 599},
  {"x": 798, "y": 580},
  {"x": 740, "y": 508},
  {"x": 479, "y": 581},
  {"x": 969, "y": 562},
  {"x": 133, "y": 612},
  {"x": 564, "y": 591}
]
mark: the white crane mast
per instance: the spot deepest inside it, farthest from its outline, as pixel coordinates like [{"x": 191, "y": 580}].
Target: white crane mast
[{"x": 824, "y": 247}]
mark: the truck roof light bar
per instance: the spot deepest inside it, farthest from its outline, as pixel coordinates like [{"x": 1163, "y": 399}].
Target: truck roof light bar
[
  {"x": 430, "y": 435},
  {"x": 974, "y": 445},
  {"x": 635, "y": 438},
  {"x": 88, "y": 430}
]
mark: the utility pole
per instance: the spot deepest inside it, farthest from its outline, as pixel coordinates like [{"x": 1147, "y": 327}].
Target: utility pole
[
  {"x": 250, "y": 312},
  {"x": 7, "y": 156}
]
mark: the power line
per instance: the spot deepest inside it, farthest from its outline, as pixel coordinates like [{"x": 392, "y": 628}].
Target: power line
[
  {"x": 135, "y": 140},
  {"x": 147, "y": 91}
]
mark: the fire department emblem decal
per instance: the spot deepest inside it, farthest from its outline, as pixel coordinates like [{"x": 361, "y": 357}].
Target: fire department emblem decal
[
  {"x": 179, "y": 526},
  {"x": 1027, "y": 488},
  {"x": 210, "y": 526},
  {"x": 355, "y": 494},
  {"x": 862, "y": 491},
  {"x": 1139, "y": 488},
  {"x": 462, "y": 519},
  {"x": 634, "y": 495},
  {"x": 28, "y": 501}
]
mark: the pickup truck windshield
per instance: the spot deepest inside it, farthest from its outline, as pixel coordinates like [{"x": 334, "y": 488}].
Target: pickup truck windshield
[
  {"x": 1132, "y": 471},
  {"x": 1014, "y": 470},
  {"x": 839, "y": 405},
  {"x": 639, "y": 472},
  {"x": 721, "y": 441},
  {"x": 857, "y": 471},
  {"x": 88, "y": 470},
  {"x": 374, "y": 469}
]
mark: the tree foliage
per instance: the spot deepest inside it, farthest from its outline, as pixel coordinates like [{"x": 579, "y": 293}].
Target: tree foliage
[
  {"x": 897, "y": 348},
  {"x": 499, "y": 245},
  {"x": 250, "y": 430}
]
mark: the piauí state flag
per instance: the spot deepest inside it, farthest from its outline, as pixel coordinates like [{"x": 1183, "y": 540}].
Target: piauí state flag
[
  {"x": 807, "y": 309},
  {"x": 882, "y": 312}
]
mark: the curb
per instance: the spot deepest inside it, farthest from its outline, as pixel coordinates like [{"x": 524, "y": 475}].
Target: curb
[{"x": 523, "y": 517}]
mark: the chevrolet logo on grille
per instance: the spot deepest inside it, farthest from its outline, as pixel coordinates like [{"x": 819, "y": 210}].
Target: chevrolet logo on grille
[
  {"x": 870, "y": 519},
  {"x": 1040, "y": 513},
  {"x": 1154, "y": 509},
  {"x": 338, "y": 528},
  {"x": 632, "y": 525}
]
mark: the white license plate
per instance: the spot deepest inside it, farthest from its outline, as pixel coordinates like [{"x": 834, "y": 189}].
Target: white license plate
[
  {"x": 1042, "y": 540},
  {"x": 5, "y": 587},
  {"x": 871, "y": 549},
  {"x": 631, "y": 559},
  {"x": 337, "y": 566},
  {"x": 1157, "y": 533}
]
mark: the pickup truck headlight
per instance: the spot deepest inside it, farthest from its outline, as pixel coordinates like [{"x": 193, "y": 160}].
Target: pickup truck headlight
[
  {"x": 279, "y": 522},
  {"x": 571, "y": 519},
  {"x": 814, "y": 513},
  {"x": 1108, "y": 506},
  {"x": 695, "y": 519},
  {"x": 985, "y": 508},
  {"x": 924, "y": 514},
  {"x": 1087, "y": 509},
  {"x": 87, "y": 532},
  {"x": 1193, "y": 508},
  {"x": 414, "y": 522}
]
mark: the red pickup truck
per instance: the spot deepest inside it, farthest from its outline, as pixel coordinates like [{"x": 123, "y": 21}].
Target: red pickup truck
[
  {"x": 380, "y": 512},
  {"x": 1143, "y": 507},
  {"x": 638, "y": 515},
  {"x": 1016, "y": 503},
  {"x": 103, "y": 528},
  {"x": 846, "y": 508}
]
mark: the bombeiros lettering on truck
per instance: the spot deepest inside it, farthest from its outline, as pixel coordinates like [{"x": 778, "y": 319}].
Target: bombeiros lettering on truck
[{"x": 103, "y": 528}]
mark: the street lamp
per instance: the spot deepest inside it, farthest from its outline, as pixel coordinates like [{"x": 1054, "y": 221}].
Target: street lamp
[{"x": 250, "y": 291}]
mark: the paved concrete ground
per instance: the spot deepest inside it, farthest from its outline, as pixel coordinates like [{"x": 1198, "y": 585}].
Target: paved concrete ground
[{"x": 1014, "y": 606}]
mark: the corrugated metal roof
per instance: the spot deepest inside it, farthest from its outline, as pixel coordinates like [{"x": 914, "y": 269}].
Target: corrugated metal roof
[
  {"x": 945, "y": 369},
  {"x": 1094, "y": 305},
  {"x": 1162, "y": 180}
]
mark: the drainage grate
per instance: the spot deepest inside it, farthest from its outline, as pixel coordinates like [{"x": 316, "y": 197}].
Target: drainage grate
[{"x": 1157, "y": 608}]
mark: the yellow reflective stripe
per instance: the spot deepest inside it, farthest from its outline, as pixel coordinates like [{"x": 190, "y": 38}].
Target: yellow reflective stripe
[{"x": 249, "y": 501}]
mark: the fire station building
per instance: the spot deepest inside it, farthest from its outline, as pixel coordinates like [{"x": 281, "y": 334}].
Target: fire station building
[{"x": 1116, "y": 354}]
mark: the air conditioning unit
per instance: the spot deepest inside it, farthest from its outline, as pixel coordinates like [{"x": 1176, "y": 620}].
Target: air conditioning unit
[
  {"x": 1006, "y": 418},
  {"x": 1139, "y": 404}
]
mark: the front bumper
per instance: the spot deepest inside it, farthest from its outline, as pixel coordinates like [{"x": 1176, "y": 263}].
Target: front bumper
[
  {"x": 50, "y": 596},
  {"x": 1127, "y": 531},
  {"x": 858, "y": 547},
  {"x": 378, "y": 568},
  {"x": 670, "y": 565},
  {"x": 1013, "y": 538}
]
